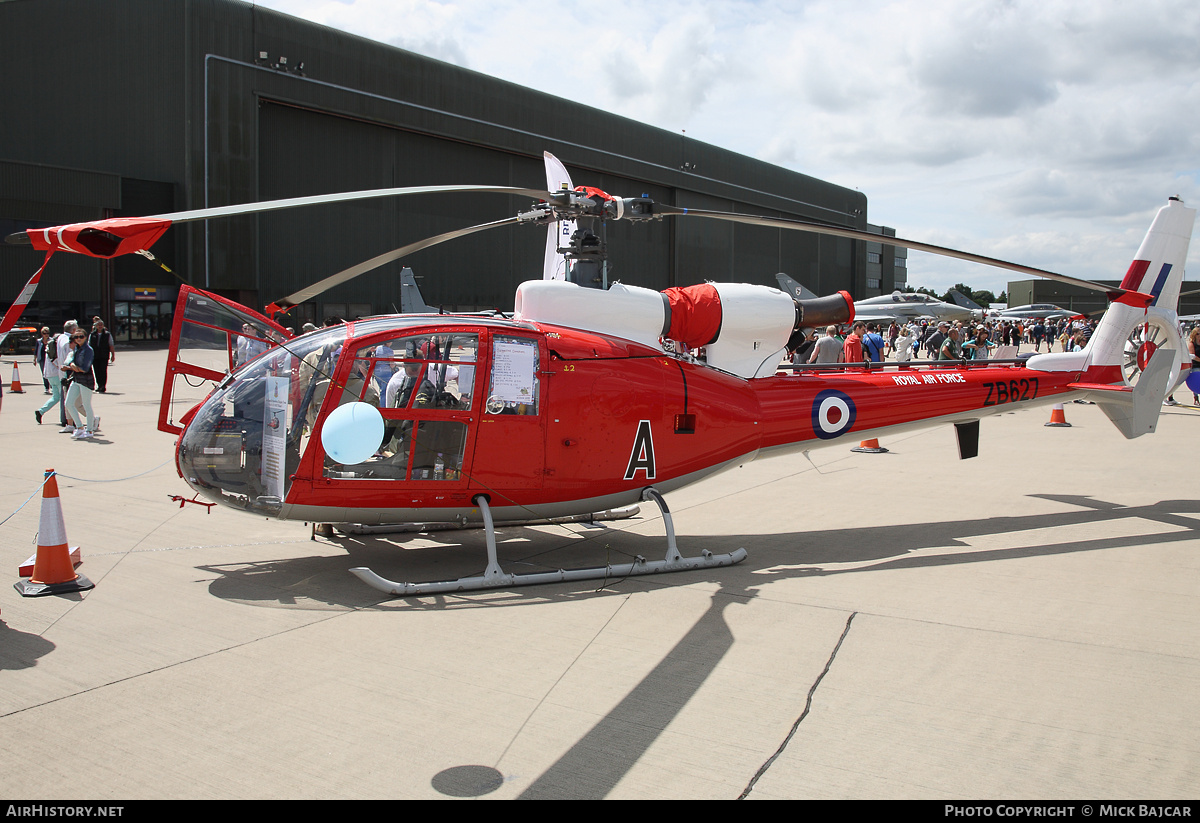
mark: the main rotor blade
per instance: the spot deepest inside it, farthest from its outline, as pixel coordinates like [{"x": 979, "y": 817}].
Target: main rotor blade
[
  {"x": 318, "y": 199},
  {"x": 312, "y": 291},
  {"x": 554, "y": 265},
  {"x": 116, "y": 236},
  {"x": 856, "y": 234}
]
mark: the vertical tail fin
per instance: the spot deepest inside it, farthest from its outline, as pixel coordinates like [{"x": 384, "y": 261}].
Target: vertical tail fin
[
  {"x": 411, "y": 301},
  {"x": 1124, "y": 366},
  {"x": 1156, "y": 270},
  {"x": 961, "y": 299},
  {"x": 797, "y": 290}
]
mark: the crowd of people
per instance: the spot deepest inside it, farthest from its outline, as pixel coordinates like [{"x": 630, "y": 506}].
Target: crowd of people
[
  {"x": 938, "y": 340},
  {"x": 942, "y": 340},
  {"x": 74, "y": 365}
]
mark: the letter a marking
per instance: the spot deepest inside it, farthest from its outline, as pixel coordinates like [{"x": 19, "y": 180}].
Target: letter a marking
[{"x": 641, "y": 458}]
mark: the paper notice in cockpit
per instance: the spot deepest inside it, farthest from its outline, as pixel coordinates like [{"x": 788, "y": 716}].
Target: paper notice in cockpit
[
  {"x": 514, "y": 371},
  {"x": 274, "y": 435}
]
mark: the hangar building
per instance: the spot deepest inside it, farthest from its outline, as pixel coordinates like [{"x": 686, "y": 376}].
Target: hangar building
[
  {"x": 1028, "y": 292},
  {"x": 133, "y": 107}
]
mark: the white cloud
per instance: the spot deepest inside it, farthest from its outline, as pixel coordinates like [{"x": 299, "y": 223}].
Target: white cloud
[{"x": 1043, "y": 131}]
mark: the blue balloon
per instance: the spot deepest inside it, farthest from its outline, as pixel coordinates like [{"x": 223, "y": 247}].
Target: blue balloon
[
  {"x": 1193, "y": 381},
  {"x": 352, "y": 433}
]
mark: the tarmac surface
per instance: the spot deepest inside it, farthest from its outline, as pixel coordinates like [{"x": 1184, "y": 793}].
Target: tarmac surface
[{"x": 1025, "y": 624}]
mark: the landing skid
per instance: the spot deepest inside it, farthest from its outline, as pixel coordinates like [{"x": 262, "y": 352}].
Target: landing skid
[{"x": 494, "y": 578}]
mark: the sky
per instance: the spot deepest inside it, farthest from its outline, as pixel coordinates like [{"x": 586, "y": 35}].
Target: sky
[{"x": 1045, "y": 133}]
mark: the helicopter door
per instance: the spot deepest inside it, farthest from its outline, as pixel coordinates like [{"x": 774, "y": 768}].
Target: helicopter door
[
  {"x": 423, "y": 386},
  {"x": 211, "y": 337},
  {"x": 510, "y": 450}
]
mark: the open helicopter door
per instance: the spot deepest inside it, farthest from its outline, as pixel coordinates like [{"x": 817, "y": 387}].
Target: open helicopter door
[{"x": 211, "y": 336}]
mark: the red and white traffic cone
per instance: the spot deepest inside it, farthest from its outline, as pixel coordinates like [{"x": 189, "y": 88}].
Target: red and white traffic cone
[
  {"x": 16, "y": 381},
  {"x": 53, "y": 571},
  {"x": 869, "y": 447},
  {"x": 1058, "y": 417}
]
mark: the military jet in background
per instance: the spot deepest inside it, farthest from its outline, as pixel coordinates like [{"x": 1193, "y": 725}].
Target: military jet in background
[
  {"x": 789, "y": 286},
  {"x": 1043, "y": 311},
  {"x": 899, "y": 306},
  {"x": 905, "y": 306}
]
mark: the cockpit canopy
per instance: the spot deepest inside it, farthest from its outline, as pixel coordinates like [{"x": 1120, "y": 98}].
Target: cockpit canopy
[{"x": 265, "y": 423}]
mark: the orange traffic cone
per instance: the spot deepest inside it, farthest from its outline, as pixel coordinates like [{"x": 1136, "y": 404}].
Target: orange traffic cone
[
  {"x": 869, "y": 447},
  {"x": 1058, "y": 417},
  {"x": 16, "y": 381},
  {"x": 53, "y": 571}
]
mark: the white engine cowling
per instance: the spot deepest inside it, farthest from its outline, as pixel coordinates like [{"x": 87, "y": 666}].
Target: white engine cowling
[
  {"x": 756, "y": 322},
  {"x": 750, "y": 325},
  {"x": 628, "y": 312}
]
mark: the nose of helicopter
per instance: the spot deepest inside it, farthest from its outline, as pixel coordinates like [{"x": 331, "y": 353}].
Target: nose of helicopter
[
  {"x": 242, "y": 444},
  {"x": 228, "y": 450}
]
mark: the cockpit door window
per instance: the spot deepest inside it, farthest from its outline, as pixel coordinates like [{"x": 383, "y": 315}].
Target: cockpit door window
[
  {"x": 513, "y": 386},
  {"x": 211, "y": 337},
  {"x": 423, "y": 385}
]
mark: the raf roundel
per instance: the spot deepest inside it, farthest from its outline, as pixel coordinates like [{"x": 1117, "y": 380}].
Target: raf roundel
[{"x": 833, "y": 414}]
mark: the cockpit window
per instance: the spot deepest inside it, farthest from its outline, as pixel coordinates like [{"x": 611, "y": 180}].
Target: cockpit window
[
  {"x": 218, "y": 338},
  {"x": 421, "y": 384},
  {"x": 421, "y": 371},
  {"x": 212, "y": 335},
  {"x": 514, "y": 384}
]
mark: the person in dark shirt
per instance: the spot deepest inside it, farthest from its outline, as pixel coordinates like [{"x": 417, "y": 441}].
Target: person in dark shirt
[
  {"x": 805, "y": 349},
  {"x": 933, "y": 342},
  {"x": 41, "y": 349},
  {"x": 104, "y": 351}
]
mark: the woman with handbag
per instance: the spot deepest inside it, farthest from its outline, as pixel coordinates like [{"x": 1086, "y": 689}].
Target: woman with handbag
[{"x": 79, "y": 396}]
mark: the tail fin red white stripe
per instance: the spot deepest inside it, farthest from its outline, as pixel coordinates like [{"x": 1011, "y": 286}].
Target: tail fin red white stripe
[
  {"x": 1157, "y": 268},
  {"x": 1156, "y": 271}
]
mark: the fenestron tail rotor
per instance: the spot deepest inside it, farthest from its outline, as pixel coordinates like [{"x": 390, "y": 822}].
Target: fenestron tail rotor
[{"x": 1144, "y": 340}]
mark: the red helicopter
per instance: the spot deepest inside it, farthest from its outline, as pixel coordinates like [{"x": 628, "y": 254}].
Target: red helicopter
[{"x": 588, "y": 397}]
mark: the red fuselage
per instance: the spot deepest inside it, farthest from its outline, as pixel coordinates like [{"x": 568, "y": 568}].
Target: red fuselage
[{"x": 614, "y": 417}]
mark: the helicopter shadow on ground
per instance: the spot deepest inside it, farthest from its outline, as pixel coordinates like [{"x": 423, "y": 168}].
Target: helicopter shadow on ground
[
  {"x": 893, "y": 547},
  {"x": 323, "y": 581},
  {"x": 603, "y": 756}
]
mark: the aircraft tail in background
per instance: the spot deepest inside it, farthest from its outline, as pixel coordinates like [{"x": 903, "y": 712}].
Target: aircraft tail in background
[
  {"x": 411, "y": 301},
  {"x": 961, "y": 299},
  {"x": 790, "y": 287}
]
